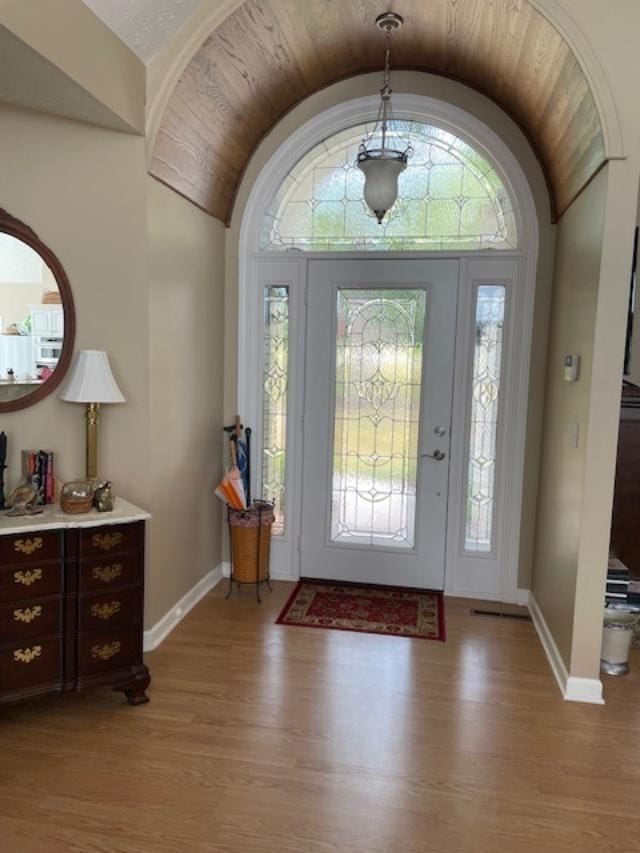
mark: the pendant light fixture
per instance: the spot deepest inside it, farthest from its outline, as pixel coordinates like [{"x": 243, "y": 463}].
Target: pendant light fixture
[{"x": 380, "y": 164}]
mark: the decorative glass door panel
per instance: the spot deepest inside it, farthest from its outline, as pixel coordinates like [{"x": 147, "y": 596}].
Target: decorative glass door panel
[
  {"x": 378, "y": 384},
  {"x": 490, "y": 302},
  {"x": 377, "y": 417},
  {"x": 275, "y": 400}
]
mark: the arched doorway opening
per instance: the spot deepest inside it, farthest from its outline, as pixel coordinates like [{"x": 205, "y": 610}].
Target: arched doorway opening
[{"x": 386, "y": 370}]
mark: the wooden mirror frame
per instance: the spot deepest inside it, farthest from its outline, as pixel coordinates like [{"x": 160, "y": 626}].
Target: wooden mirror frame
[{"x": 16, "y": 228}]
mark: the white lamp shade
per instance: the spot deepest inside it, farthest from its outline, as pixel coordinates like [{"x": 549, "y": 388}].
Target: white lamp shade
[
  {"x": 91, "y": 380},
  {"x": 381, "y": 183}
]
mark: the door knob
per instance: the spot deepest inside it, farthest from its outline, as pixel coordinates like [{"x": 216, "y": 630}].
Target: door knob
[{"x": 438, "y": 455}]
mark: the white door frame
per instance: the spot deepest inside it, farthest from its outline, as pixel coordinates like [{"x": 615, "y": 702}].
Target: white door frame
[{"x": 291, "y": 267}]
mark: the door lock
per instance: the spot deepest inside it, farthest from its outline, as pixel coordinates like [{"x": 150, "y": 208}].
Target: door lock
[
  {"x": 440, "y": 432},
  {"x": 438, "y": 455}
]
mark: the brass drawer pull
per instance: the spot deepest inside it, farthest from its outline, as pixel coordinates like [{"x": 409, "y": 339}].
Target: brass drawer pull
[
  {"x": 106, "y": 574},
  {"x": 105, "y": 652},
  {"x": 106, "y": 541},
  {"x": 28, "y": 614},
  {"x": 105, "y": 611},
  {"x": 28, "y": 577},
  {"x": 27, "y": 655},
  {"x": 27, "y": 546}
]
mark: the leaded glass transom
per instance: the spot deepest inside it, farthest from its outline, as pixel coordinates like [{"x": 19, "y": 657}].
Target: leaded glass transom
[
  {"x": 449, "y": 198},
  {"x": 378, "y": 386},
  {"x": 485, "y": 400},
  {"x": 274, "y": 401}
]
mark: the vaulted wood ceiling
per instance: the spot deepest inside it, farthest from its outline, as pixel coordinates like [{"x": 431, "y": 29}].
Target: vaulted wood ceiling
[{"x": 270, "y": 54}]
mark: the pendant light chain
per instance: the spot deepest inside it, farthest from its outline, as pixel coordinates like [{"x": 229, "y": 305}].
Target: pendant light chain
[
  {"x": 381, "y": 165},
  {"x": 385, "y": 92}
]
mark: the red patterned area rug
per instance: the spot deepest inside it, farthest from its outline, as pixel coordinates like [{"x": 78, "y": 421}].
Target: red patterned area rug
[{"x": 368, "y": 609}]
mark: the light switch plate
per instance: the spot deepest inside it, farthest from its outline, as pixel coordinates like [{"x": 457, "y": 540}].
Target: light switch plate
[
  {"x": 574, "y": 433},
  {"x": 571, "y": 367}
]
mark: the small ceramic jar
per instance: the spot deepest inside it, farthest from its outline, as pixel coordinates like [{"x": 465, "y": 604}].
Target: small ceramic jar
[{"x": 616, "y": 641}]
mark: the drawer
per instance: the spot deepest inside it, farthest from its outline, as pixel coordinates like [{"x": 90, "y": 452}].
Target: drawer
[
  {"x": 32, "y": 617},
  {"x": 108, "y": 610},
  {"x": 101, "y": 651},
  {"x": 109, "y": 573},
  {"x": 29, "y": 582},
  {"x": 30, "y": 547},
  {"x": 27, "y": 664},
  {"x": 110, "y": 539}
]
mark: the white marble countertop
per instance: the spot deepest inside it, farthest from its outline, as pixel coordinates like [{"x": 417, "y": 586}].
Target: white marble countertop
[{"x": 53, "y": 518}]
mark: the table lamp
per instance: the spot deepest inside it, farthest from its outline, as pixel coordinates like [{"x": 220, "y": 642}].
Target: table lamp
[{"x": 92, "y": 382}]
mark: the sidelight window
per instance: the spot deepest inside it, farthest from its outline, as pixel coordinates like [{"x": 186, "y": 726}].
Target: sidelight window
[
  {"x": 490, "y": 304},
  {"x": 275, "y": 400}
]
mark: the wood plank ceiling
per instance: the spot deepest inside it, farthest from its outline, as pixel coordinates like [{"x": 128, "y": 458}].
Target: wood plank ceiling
[{"x": 270, "y": 54}]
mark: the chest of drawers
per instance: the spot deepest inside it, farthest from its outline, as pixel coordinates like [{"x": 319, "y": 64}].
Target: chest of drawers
[{"x": 71, "y": 603}]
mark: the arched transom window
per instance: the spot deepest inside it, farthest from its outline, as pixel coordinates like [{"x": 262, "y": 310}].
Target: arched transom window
[{"x": 450, "y": 198}]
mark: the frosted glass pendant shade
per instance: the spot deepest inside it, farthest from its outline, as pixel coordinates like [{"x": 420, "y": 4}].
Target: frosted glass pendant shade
[
  {"x": 91, "y": 380},
  {"x": 381, "y": 182}
]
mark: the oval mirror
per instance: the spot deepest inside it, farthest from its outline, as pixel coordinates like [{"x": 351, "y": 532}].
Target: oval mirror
[{"x": 37, "y": 318}]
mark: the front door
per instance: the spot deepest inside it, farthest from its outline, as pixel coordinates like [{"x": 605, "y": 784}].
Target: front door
[{"x": 377, "y": 420}]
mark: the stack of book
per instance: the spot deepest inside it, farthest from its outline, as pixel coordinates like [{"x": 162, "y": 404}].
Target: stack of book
[
  {"x": 622, "y": 591},
  {"x": 633, "y": 592},
  {"x": 38, "y": 464}
]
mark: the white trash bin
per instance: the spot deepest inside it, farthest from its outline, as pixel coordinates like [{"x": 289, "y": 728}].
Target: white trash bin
[{"x": 617, "y": 633}]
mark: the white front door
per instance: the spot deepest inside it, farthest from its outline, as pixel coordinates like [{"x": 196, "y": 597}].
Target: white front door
[{"x": 380, "y": 348}]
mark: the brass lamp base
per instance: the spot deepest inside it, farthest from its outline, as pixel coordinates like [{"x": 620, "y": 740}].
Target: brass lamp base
[{"x": 93, "y": 417}]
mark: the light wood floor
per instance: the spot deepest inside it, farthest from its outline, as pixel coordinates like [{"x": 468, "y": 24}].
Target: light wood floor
[{"x": 263, "y": 738}]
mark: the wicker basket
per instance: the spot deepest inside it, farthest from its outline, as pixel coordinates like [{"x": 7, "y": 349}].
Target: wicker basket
[
  {"x": 250, "y": 531},
  {"x": 76, "y": 497},
  {"x": 76, "y": 506}
]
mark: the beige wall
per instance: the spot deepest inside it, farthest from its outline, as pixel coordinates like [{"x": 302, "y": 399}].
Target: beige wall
[
  {"x": 146, "y": 271},
  {"x": 186, "y": 311},
  {"x": 82, "y": 189},
  {"x": 573, "y": 312},
  {"x": 73, "y": 39},
  {"x": 604, "y": 409},
  {"x": 588, "y": 316}
]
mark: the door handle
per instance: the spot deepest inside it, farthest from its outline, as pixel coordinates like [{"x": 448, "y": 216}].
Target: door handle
[{"x": 437, "y": 455}]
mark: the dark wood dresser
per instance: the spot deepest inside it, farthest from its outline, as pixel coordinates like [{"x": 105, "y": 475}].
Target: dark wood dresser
[{"x": 71, "y": 603}]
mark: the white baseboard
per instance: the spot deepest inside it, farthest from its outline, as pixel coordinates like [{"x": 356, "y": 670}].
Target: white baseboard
[
  {"x": 274, "y": 576},
  {"x": 573, "y": 689},
  {"x": 471, "y": 594},
  {"x": 163, "y": 627},
  {"x": 284, "y": 576},
  {"x": 584, "y": 690},
  {"x": 521, "y": 596},
  {"x": 552, "y": 652}
]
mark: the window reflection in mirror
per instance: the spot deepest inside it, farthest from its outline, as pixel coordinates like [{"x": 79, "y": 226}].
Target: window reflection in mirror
[{"x": 31, "y": 320}]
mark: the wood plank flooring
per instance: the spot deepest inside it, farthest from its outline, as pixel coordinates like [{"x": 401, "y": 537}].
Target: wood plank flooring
[{"x": 262, "y": 738}]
